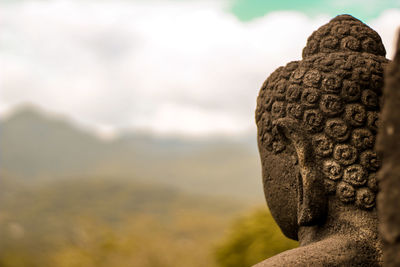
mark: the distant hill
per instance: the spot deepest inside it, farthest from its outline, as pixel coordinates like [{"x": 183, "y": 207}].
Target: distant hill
[
  {"x": 38, "y": 146},
  {"x": 35, "y": 144}
]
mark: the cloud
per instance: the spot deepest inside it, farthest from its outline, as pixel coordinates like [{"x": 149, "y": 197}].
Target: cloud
[
  {"x": 387, "y": 25},
  {"x": 171, "y": 67}
]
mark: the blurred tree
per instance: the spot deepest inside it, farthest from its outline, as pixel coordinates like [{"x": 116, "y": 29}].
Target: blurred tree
[{"x": 251, "y": 239}]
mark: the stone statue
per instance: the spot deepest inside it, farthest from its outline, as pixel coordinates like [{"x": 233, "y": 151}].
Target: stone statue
[
  {"x": 317, "y": 121},
  {"x": 389, "y": 146}
]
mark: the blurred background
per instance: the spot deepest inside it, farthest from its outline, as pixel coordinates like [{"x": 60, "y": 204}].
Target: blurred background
[{"x": 127, "y": 134}]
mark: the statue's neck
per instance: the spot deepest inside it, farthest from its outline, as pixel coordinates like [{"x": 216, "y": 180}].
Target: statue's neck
[{"x": 342, "y": 220}]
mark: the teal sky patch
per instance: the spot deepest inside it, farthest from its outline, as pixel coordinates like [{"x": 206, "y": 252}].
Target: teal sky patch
[{"x": 365, "y": 10}]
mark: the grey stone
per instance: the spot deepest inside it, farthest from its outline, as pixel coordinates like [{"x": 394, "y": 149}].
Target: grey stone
[
  {"x": 388, "y": 144},
  {"x": 317, "y": 120}
]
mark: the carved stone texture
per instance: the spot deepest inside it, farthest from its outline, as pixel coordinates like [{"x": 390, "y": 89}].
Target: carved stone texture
[
  {"x": 317, "y": 120},
  {"x": 389, "y": 176}
]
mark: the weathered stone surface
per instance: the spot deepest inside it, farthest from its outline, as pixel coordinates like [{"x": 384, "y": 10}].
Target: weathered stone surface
[
  {"x": 317, "y": 120},
  {"x": 388, "y": 145}
]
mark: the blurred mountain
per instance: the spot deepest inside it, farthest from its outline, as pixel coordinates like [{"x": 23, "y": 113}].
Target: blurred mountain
[
  {"x": 34, "y": 144},
  {"x": 39, "y": 146}
]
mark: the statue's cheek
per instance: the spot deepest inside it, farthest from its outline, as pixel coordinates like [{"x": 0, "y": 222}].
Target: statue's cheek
[{"x": 280, "y": 188}]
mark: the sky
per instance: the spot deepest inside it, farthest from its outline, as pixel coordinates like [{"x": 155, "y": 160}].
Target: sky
[
  {"x": 189, "y": 67},
  {"x": 365, "y": 10}
]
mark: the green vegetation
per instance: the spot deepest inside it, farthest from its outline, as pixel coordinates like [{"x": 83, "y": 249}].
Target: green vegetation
[
  {"x": 252, "y": 239},
  {"x": 104, "y": 222}
]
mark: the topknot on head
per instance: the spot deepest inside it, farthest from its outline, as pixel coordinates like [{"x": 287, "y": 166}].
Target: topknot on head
[
  {"x": 344, "y": 17},
  {"x": 344, "y": 33}
]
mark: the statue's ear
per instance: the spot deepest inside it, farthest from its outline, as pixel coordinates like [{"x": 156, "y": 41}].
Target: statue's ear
[{"x": 312, "y": 198}]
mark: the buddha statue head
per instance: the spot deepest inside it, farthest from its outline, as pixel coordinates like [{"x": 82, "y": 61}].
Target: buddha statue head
[{"x": 317, "y": 120}]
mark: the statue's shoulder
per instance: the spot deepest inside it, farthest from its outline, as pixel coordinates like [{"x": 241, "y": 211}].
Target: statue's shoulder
[{"x": 334, "y": 251}]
